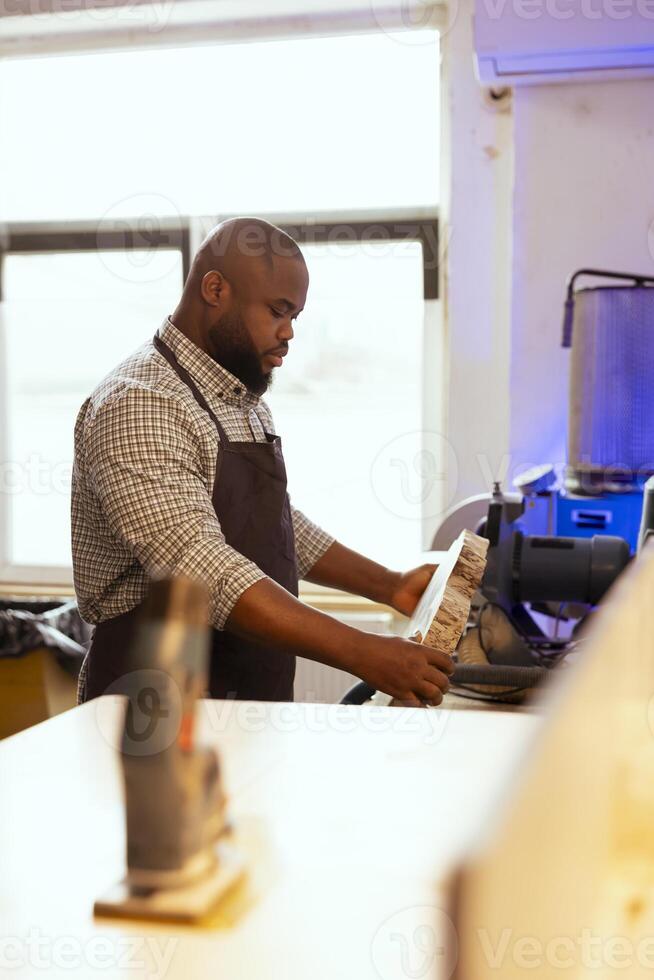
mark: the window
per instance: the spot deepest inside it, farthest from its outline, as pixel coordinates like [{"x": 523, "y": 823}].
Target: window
[
  {"x": 67, "y": 317},
  {"x": 311, "y": 133},
  {"x": 283, "y": 126},
  {"x": 351, "y": 387}
]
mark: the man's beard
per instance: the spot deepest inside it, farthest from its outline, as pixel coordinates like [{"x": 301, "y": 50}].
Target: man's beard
[{"x": 232, "y": 347}]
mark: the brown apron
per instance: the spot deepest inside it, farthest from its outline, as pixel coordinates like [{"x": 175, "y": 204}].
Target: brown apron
[{"x": 253, "y": 508}]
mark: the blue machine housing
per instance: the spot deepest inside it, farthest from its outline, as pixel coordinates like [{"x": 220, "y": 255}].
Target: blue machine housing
[
  {"x": 612, "y": 513},
  {"x": 566, "y": 515}
]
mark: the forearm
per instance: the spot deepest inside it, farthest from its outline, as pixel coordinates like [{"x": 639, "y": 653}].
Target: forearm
[
  {"x": 410, "y": 672},
  {"x": 342, "y": 568},
  {"x": 268, "y": 614}
]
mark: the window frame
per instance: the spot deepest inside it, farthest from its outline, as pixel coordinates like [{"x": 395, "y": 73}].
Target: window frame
[
  {"x": 185, "y": 235},
  {"x": 420, "y": 225},
  {"x": 139, "y": 23}
]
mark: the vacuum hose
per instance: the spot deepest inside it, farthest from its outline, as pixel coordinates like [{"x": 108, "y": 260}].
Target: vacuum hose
[{"x": 498, "y": 675}]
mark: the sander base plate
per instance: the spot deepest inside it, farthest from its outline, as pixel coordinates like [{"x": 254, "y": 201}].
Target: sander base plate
[{"x": 189, "y": 903}]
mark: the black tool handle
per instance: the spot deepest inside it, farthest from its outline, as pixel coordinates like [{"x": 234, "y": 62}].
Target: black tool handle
[{"x": 568, "y": 308}]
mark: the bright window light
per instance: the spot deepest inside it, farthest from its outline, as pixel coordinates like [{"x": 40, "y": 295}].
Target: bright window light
[
  {"x": 292, "y": 127},
  {"x": 68, "y": 318},
  {"x": 349, "y": 394},
  {"x": 299, "y": 125}
]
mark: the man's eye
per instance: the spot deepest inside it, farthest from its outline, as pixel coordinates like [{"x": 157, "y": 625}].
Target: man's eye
[{"x": 276, "y": 313}]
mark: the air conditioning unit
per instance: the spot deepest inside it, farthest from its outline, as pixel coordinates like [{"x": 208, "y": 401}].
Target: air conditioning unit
[{"x": 528, "y": 42}]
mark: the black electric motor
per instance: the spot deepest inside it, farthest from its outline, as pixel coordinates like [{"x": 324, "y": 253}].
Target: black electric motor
[{"x": 528, "y": 568}]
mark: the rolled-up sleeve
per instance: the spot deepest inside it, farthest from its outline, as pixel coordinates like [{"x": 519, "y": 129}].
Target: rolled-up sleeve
[
  {"x": 145, "y": 467},
  {"x": 311, "y": 542}
]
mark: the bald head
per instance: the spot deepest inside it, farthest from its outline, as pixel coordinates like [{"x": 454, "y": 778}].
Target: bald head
[
  {"x": 237, "y": 245},
  {"x": 247, "y": 284}
]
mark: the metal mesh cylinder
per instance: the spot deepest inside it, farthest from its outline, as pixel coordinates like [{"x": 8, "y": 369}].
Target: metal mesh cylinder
[{"x": 611, "y": 418}]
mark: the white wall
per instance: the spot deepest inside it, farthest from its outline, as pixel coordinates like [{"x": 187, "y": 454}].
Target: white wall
[
  {"x": 476, "y": 224},
  {"x": 566, "y": 180},
  {"x": 583, "y": 196}
]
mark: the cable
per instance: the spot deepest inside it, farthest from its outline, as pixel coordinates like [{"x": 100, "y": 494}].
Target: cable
[{"x": 558, "y": 620}]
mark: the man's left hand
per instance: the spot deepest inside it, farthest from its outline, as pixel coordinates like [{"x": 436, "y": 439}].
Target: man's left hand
[{"x": 409, "y": 586}]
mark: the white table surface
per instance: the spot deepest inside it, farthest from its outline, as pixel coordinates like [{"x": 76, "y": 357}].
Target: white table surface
[{"x": 350, "y": 820}]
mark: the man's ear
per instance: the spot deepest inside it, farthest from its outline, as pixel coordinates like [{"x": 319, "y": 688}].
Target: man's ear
[{"x": 214, "y": 288}]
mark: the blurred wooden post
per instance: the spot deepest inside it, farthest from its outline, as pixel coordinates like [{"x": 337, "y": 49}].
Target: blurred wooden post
[{"x": 566, "y": 866}]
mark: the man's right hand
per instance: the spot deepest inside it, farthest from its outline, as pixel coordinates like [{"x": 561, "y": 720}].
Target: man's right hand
[{"x": 412, "y": 673}]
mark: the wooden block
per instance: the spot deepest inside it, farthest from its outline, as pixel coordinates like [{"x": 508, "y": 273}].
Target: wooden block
[
  {"x": 565, "y": 868},
  {"x": 442, "y": 613}
]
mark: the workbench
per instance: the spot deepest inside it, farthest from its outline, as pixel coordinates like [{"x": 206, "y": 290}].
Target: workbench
[{"x": 349, "y": 818}]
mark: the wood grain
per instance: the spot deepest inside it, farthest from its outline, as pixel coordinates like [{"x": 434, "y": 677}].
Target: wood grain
[{"x": 442, "y": 613}]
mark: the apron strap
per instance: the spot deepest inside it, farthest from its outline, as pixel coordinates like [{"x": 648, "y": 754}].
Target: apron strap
[{"x": 183, "y": 374}]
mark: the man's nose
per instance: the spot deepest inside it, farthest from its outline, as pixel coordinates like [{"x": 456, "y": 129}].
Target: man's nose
[{"x": 286, "y": 330}]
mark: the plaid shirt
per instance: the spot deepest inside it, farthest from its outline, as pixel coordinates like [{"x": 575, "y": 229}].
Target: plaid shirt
[{"x": 145, "y": 463}]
